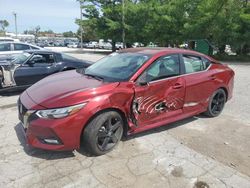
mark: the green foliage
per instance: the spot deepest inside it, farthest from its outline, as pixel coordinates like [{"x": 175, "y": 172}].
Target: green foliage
[
  {"x": 68, "y": 34},
  {"x": 3, "y": 25},
  {"x": 170, "y": 21}
]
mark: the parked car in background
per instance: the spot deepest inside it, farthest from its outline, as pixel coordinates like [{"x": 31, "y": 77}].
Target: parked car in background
[
  {"x": 16, "y": 47},
  {"x": 8, "y": 39},
  {"x": 151, "y": 44},
  {"x": 72, "y": 45},
  {"x": 84, "y": 45},
  {"x": 137, "y": 45},
  {"x": 41, "y": 44},
  {"x": 122, "y": 94},
  {"x": 119, "y": 45},
  {"x": 107, "y": 46},
  {"x": 31, "y": 66},
  {"x": 93, "y": 44}
]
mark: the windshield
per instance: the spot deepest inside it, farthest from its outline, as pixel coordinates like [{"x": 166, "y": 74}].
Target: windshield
[
  {"x": 21, "y": 58},
  {"x": 117, "y": 66}
]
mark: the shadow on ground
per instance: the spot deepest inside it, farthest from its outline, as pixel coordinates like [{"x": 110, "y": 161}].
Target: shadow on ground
[
  {"x": 39, "y": 153},
  {"x": 9, "y": 93}
]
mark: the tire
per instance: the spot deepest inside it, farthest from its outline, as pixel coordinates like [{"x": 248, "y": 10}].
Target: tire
[
  {"x": 103, "y": 133},
  {"x": 216, "y": 103}
]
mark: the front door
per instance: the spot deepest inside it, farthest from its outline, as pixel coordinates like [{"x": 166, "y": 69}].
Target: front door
[
  {"x": 39, "y": 66},
  {"x": 160, "y": 92}
]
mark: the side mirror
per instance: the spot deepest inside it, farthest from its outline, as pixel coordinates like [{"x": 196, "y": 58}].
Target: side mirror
[{"x": 142, "y": 81}]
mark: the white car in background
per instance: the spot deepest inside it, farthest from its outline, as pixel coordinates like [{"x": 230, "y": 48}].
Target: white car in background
[
  {"x": 107, "y": 46},
  {"x": 93, "y": 44},
  {"x": 9, "y": 48},
  {"x": 119, "y": 45},
  {"x": 72, "y": 45},
  {"x": 8, "y": 39}
]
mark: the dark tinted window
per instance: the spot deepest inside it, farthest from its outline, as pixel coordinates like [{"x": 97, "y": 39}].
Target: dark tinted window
[
  {"x": 5, "y": 47},
  {"x": 43, "y": 58},
  {"x": 21, "y": 47},
  {"x": 193, "y": 64},
  {"x": 164, "y": 67}
]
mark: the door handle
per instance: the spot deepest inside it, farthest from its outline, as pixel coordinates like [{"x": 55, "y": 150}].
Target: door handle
[
  {"x": 212, "y": 77},
  {"x": 177, "y": 86}
]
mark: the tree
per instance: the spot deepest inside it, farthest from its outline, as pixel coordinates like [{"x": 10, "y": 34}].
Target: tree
[
  {"x": 36, "y": 32},
  {"x": 170, "y": 22},
  {"x": 68, "y": 34},
  {"x": 4, "y": 24},
  {"x": 104, "y": 18}
]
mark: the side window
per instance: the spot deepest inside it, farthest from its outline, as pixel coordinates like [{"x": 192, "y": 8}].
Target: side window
[
  {"x": 43, "y": 58},
  {"x": 206, "y": 63},
  {"x": 4, "y": 47},
  {"x": 193, "y": 64},
  {"x": 21, "y": 47},
  {"x": 164, "y": 67}
]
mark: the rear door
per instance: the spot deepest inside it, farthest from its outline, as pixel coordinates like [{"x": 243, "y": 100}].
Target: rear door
[
  {"x": 159, "y": 92},
  {"x": 199, "y": 82},
  {"x": 37, "y": 67}
]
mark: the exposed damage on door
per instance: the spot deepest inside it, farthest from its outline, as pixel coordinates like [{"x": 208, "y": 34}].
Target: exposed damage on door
[{"x": 153, "y": 104}]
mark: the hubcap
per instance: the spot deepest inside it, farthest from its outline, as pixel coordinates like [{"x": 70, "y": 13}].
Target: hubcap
[
  {"x": 218, "y": 103},
  {"x": 109, "y": 133}
]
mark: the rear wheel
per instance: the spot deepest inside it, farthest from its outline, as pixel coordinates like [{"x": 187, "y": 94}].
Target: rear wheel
[
  {"x": 216, "y": 103},
  {"x": 103, "y": 133}
]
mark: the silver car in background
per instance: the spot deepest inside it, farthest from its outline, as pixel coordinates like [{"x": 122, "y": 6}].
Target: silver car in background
[{"x": 9, "y": 48}]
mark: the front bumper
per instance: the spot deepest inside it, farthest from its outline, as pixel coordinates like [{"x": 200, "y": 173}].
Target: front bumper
[{"x": 49, "y": 134}]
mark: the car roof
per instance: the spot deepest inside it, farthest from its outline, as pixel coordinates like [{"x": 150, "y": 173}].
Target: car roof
[
  {"x": 14, "y": 42},
  {"x": 40, "y": 51},
  {"x": 159, "y": 50}
]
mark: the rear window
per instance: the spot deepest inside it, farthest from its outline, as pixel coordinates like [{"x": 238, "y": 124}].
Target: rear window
[
  {"x": 195, "y": 64},
  {"x": 21, "y": 47}
]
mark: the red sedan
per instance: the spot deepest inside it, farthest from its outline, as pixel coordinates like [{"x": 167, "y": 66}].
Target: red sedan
[{"x": 122, "y": 94}]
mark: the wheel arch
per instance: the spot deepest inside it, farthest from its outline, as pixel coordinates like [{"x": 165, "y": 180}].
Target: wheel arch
[
  {"x": 225, "y": 90},
  {"x": 68, "y": 68},
  {"x": 125, "y": 126}
]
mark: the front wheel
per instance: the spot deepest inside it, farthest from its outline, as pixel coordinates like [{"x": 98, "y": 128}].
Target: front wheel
[
  {"x": 103, "y": 133},
  {"x": 216, "y": 103}
]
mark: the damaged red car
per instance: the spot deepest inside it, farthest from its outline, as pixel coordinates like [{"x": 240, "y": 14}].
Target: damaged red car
[{"x": 122, "y": 94}]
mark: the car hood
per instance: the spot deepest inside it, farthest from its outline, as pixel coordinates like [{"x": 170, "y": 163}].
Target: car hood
[{"x": 66, "y": 89}]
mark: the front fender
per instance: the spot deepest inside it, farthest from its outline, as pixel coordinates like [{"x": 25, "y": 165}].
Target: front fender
[{"x": 120, "y": 100}]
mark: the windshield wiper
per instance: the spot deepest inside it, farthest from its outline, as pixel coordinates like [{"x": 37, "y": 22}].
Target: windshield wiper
[{"x": 94, "y": 76}]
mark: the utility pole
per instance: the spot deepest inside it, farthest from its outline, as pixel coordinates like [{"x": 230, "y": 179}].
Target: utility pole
[
  {"x": 123, "y": 24},
  {"x": 81, "y": 3},
  {"x": 14, "y": 13}
]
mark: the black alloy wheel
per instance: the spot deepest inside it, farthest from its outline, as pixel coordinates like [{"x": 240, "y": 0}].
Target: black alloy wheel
[
  {"x": 103, "y": 133},
  {"x": 109, "y": 133},
  {"x": 216, "y": 103}
]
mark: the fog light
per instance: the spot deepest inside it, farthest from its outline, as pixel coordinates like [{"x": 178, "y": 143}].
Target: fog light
[{"x": 51, "y": 141}]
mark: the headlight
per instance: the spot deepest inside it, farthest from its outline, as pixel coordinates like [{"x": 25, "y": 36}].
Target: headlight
[{"x": 59, "y": 112}]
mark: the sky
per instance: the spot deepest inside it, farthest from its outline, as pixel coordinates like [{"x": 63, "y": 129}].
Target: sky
[{"x": 57, "y": 15}]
